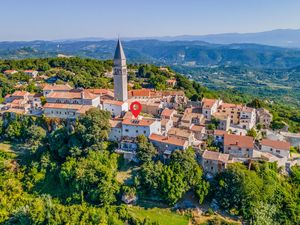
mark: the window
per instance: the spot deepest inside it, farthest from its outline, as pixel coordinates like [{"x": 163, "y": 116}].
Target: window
[
  {"x": 278, "y": 151},
  {"x": 144, "y": 132},
  {"x": 126, "y": 130},
  {"x": 136, "y": 131}
]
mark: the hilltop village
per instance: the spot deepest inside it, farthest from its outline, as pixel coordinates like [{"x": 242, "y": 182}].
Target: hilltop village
[{"x": 220, "y": 132}]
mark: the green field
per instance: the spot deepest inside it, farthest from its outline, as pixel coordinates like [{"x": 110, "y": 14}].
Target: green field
[{"x": 162, "y": 216}]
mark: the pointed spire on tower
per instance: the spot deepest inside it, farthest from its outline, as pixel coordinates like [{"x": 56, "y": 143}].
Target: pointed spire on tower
[{"x": 119, "y": 53}]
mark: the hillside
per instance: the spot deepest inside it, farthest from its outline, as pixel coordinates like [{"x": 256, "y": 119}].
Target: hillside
[
  {"x": 190, "y": 53},
  {"x": 265, "y": 71}
]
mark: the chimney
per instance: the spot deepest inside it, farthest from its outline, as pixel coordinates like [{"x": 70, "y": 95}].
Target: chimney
[{"x": 82, "y": 94}]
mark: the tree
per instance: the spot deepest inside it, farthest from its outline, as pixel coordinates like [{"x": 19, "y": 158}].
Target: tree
[
  {"x": 145, "y": 151},
  {"x": 94, "y": 176},
  {"x": 93, "y": 127},
  {"x": 13, "y": 131},
  {"x": 35, "y": 136},
  {"x": 238, "y": 189},
  {"x": 256, "y": 103},
  {"x": 252, "y": 133},
  {"x": 264, "y": 214}
]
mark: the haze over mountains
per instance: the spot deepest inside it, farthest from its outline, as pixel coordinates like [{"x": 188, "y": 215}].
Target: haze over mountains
[
  {"x": 264, "y": 70},
  {"x": 207, "y": 50},
  {"x": 280, "y": 37}
]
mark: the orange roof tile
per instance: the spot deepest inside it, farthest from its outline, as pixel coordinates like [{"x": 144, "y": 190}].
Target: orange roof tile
[
  {"x": 99, "y": 91},
  {"x": 283, "y": 145},
  {"x": 140, "y": 93},
  {"x": 197, "y": 128},
  {"x": 220, "y": 132},
  {"x": 72, "y": 95},
  {"x": 216, "y": 156},
  {"x": 115, "y": 123},
  {"x": 231, "y": 105},
  {"x": 113, "y": 102},
  {"x": 238, "y": 140},
  {"x": 168, "y": 140},
  {"x": 145, "y": 122},
  {"x": 208, "y": 103},
  {"x": 62, "y": 106},
  {"x": 29, "y": 71},
  {"x": 19, "y": 93},
  {"x": 10, "y": 71},
  {"x": 57, "y": 87},
  {"x": 167, "y": 112},
  {"x": 179, "y": 132}
]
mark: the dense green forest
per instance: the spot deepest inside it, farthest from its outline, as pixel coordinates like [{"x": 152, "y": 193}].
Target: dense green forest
[{"x": 68, "y": 175}]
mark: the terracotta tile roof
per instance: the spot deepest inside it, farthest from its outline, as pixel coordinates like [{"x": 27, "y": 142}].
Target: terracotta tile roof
[
  {"x": 167, "y": 112},
  {"x": 128, "y": 115},
  {"x": 114, "y": 102},
  {"x": 238, "y": 140},
  {"x": 179, "y": 132},
  {"x": 208, "y": 103},
  {"x": 72, "y": 95},
  {"x": 145, "y": 122},
  {"x": 248, "y": 109},
  {"x": 115, "y": 123},
  {"x": 192, "y": 113},
  {"x": 153, "y": 93},
  {"x": 30, "y": 71},
  {"x": 197, "y": 128},
  {"x": 216, "y": 156},
  {"x": 164, "y": 122},
  {"x": 172, "y": 93},
  {"x": 10, "y": 71},
  {"x": 221, "y": 116},
  {"x": 220, "y": 132},
  {"x": 282, "y": 145},
  {"x": 230, "y": 105},
  {"x": 62, "y": 106},
  {"x": 84, "y": 109},
  {"x": 168, "y": 140},
  {"x": 57, "y": 87},
  {"x": 100, "y": 91},
  {"x": 19, "y": 93},
  {"x": 140, "y": 93}
]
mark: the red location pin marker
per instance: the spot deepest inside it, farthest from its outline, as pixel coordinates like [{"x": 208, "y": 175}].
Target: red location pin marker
[{"x": 136, "y": 108}]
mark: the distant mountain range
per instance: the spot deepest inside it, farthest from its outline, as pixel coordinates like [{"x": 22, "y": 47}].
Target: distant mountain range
[
  {"x": 282, "y": 38},
  {"x": 186, "y": 53}
]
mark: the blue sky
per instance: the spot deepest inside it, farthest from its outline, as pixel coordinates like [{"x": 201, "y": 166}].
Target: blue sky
[{"x": 59, "y": 19}]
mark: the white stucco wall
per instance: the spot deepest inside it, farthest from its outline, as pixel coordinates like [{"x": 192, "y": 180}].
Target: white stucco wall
[
  {"x": 274, "y": 151},
  {"x": 135, "y": 130}
]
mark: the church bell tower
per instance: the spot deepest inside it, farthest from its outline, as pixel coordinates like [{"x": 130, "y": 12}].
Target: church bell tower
[{"x": 120, "y": 74}]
